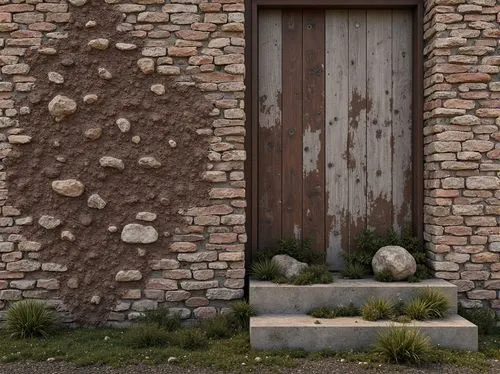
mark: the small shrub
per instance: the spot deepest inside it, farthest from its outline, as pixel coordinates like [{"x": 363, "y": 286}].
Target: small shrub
[
  {"x": 403, "y": 318},
  {"x": 429, "y": 304},
  {"x": 220, "y": 327},
  {"x": 266, "y": 270},
  {"x": 29, "y": 319},
  {"x": 163, "y": 319},
  {"x": 340, "y": 311},
  {"x": 354, "y": 270},
  {"x": 403, "y": 345},
  {"x": 483, "y": 318},
  {"x": 190, "y": 338},
  {"x": 301, "y": 250},
  {"x": 384, "y": 276},
  {"x": 377, "y": 309},
  {"x": 146, "y": 335},
  {"x": 241, "y": 311},
  {"x": 315, "y": 274}
]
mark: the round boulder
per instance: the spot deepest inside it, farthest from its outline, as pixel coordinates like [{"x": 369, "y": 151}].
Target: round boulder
[
  {"x": 289, "y": 266},
  {"x": 397, "y": 260}
]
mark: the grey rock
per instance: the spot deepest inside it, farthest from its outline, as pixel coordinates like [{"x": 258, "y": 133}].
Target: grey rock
[
  {"x": 55, "y": 77},
  {"x": 289, "y": 266},
  {"x": 61, "y": 106},
  {"x": 96, "y": 202},
  {"x": 49, "y": 222},
  {"x": 111, "y": 162},
  {"x": 123, "y": 124},
  {"x": 68, "y": 187},
  {"x": 128, "y": 276},
  {"x": 135, "y": 233},
  {"x": 397, "y": 260},
  {"x": 149, "y": 162}
]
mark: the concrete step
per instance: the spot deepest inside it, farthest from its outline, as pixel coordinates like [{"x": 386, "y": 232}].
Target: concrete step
[
  {"x": 278, "y": 332},
  {"x": 271, "y": 298}
]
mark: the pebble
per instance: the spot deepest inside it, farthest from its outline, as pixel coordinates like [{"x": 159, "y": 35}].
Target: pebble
[
  {"x": 96, "y": 202},
  {"x": 90, "y": 24},
  {"x": 158, "y": 89},
  {"x": 125, "y": 46},
  {"x": 90, "y": 98},
  {"x": 96, "y": 300},
  {"x": 100, "y": 44},
  {"x": 111, "y": 162},
  {"x": 172, "y": 143},
  {"x": 68, "y": 236},
  {"x": 112, "y": 228},
  {"x": 104, "y": 73},
  {"x": 139, "y": 234},
  {"x": 68, "y": 187},
  {"x": 61, "y": 106},
  {"x": 93, "y": 133},
  {"x": 145, "y": 216},
  {"x": 55, "y": 77},
  {"x": 172, "y": 359},
  {"x": 136, "y": 139},
  {"x": 123, "y": 124},
  {"x": 78, "y": 2},
  {"x": 149, "y": 162},
  {"x": 49, "y": 222}
]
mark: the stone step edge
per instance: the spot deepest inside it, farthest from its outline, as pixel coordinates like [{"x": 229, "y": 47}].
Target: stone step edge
[
  {"x": 272, "y": 298},
  {"x": 270, "y": 332}
]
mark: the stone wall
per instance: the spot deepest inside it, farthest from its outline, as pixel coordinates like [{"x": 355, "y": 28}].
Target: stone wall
[
  {"x": 145, "y": 137},
  {"x": 462, "y": 146}
]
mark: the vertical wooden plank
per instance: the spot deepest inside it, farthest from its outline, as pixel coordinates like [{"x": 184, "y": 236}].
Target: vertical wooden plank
[
  {"x": 314, "y": 123},
  {"x": 356, "y": 142},
  {"x": 336, "y": 134},
  {"x": 379, "y": 119},
  {"x": 402, "y": 89},
  {"x": 292, "y": 124},
  {"x": 269, "y": 185}
]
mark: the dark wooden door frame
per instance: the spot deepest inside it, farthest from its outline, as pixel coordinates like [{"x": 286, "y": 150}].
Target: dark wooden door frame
[{"x": 251, "y": 99}]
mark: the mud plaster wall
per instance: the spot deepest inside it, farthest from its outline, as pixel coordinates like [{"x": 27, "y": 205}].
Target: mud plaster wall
[
  {"x": 122, "y": 133},
  {"x": 462, "y": 151}
]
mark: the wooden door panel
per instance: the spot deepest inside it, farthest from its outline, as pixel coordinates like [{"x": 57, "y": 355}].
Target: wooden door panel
[
  {"x": 292, "y": 123},
  {"x": 335, "y": 125},
  {"x": 269, "y": 134},
  {"x": 313, "y": 119}
]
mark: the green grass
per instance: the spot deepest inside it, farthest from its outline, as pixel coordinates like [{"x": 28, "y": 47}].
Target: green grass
[
  {"x": 30, "y": 318},
  {"x": 377, "y": 309},
  {"x": 314, "y": 274},
  {"x": 428, "y": 304},
  {"x": 266, "y": 270},
  {"x": 335, "y": 312},
  {"x": 484, "y": 318},
  {"x": 403, "y": 345},
  {"x": 108, "y": 346}
]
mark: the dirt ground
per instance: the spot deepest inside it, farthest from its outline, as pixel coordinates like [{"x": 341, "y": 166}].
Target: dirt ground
[
  {"x": 60, "y": 150},
  {"x": 325, "y": 366}
]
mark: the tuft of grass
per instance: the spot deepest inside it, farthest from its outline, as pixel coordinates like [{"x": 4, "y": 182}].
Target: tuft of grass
[
  {"x": 429, "y": 304},
  {"x": 29, "y": 319},
  {"x": 220, "y": 327},
  {"x": 190, "y": 338},
  {"x": 146, "y": 335},
  {"x": 377, "y": 309},
  {"x": 300, "y": 250},
  {"x": 354, "y": 270},
  {"x": 266, "y": 270},
  {"x": 403, "y": 345},
  {"x": 314, "y": 274},
  {"x": 384, "y": 276},
  {"x": 163, "y": 319},
  {"x": 340, "y": 311},
  {"x": 483, "y": 318},
  {"x": 241, "y": 312}
]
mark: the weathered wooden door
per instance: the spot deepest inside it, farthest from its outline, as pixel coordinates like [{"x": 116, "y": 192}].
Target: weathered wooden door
[{"x": 334, "y": 125}]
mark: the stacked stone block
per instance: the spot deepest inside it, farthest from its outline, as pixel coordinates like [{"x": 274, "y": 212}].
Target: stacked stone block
[
  {"x": 462, "y": 146},
  {"x": 199, "y": 43}
]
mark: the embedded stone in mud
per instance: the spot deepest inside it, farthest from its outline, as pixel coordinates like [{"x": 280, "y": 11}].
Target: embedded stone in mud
[
  {"x": 136, "y": 233},
  {"x": 68, "y": 187},
  {"x": 61, "y": 106}
]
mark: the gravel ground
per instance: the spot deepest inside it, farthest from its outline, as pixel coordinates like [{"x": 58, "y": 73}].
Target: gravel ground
[{"x": 329, "y": 366}]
